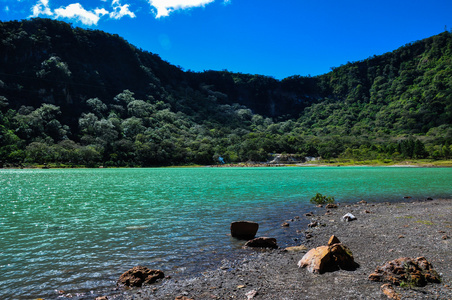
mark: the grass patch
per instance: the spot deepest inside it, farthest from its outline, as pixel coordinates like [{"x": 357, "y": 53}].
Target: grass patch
[{"x": 425, "y": 222}]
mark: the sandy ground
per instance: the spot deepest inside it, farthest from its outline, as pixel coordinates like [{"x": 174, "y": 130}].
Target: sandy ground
[{"x": 382, "y": 232}]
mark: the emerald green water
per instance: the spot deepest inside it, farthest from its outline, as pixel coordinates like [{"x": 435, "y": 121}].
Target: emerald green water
[{"x": 78, "y": 230}]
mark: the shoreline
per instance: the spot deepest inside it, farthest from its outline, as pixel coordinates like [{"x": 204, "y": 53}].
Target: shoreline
[
  {"x": 383, "y": 232},
  {"x": 402, "y": 164}
]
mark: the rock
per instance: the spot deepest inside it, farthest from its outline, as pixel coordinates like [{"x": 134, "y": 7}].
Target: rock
[
  {"x": 296, "y": 248},
  {"x": 333, "y": 240},
  {"x": 285, "y": 224},
  {"x": 362, "y": 202},
  {"x": 407, "y": 271},
  {"x": 183, "y": 298},
  {"x": 331, "y": 205},
  {"x": 245, "y": 230},
  {"x": 309, "y": 214},
  {"x": 332, "y": 257},
  {"x": 316, "y": 259},
  {"x": 348, "y": 217},
  {"x": 250, "y": 295},
  {"x": 429, "y": 198},
  {"x": 139, "y": 275},
  {"x": 389, "y": 291},
  {"x": 313, "y": 224},
  {"x": 343, "y": 257},
  {"x": 262, "y": 242}
]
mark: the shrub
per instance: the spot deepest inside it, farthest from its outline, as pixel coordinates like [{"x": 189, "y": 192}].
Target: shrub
[{"x": 321, "y": 199}]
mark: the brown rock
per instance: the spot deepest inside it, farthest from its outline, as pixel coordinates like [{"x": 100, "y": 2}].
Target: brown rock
[
  {"x": 329, "y": 258},
  {"x": 139, "y": 275},
  {"x": 413, "y": 272},
  {"x": 245, "y": 230},
  {"x": 333, "y": 240},
  {"x": 183, "y": 298},
  {"x": 102, "y": 298},
  {"x": 316, "y": 259},
  {"x": 343, "y": 257},
  {"x": 296, "y": 248},
  {"x": 285, "y": 224},
  {"x": 331, "y": 205},
  {"x": 389, "y": 291},
  {"x": 262, "y": 242},
  {"x": 313, "y": 224}
]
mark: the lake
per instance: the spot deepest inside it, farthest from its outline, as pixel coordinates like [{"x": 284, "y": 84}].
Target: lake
[{"x": 77, "y": 230}]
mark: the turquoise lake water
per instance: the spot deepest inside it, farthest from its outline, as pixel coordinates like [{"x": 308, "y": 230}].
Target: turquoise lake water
[{"x": 78, "y": 230}]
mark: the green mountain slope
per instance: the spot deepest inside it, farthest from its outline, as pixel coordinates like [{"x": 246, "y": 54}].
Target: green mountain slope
[{"x": 86, "y": 97}]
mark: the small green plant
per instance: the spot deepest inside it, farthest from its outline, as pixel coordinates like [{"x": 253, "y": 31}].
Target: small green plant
[{"x": 321, "y": 199}]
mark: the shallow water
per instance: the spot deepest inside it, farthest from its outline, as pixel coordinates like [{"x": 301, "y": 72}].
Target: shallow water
[{"x": 78, "y": 230}]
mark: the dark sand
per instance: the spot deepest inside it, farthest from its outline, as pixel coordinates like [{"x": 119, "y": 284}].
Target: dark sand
[{"x": 382, "y": 232}]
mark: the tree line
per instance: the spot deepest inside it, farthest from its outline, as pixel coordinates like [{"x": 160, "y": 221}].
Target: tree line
[{"x": 84, "y": 97}]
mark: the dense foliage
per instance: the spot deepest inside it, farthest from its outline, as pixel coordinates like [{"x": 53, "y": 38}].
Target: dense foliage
[{"x": 86, "y": 97}]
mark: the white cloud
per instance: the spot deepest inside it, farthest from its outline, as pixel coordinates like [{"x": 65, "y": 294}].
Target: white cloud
[
  {"x": 6, "y": 9},
  {"x": 165, "y": 7},
  {"x": 120, "y": 11},
  {"x": 41, "y": 8},
  {"x": 76, "y": 11},
  {"x": 101, "y": 11}
]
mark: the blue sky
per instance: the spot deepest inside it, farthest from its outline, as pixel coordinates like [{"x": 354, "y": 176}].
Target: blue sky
[{"x": 274, "y": 38}]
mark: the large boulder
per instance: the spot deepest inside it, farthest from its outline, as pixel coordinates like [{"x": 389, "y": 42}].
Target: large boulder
[
  {"x": 262, "y": 242},
  {"x": 407, "y": 271},
  {"x": 316, "y": 260},
  {"x": 139, "y": 275},
  {"x": 331, "y": 257},
  {"x": 244, "y": 230}
]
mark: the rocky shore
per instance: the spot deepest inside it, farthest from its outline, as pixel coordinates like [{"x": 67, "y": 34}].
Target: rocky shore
[{"x": 381, "y": 232}]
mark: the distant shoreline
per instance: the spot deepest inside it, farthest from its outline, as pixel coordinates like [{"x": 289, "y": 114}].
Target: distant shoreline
[{"x": 332, "y": 163}]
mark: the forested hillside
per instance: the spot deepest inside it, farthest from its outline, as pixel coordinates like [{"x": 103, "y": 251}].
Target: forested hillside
[{"x": 85, "y": 97}]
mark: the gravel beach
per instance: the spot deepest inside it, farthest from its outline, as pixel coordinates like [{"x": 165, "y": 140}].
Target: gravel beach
[{"x": 381, "y": 233}]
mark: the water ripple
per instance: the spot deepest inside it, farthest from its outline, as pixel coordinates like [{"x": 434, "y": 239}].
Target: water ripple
[{"x": 78, "y": 230}]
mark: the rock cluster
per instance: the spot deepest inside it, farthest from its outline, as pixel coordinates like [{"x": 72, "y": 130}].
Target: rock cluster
[
  {"x": 332, "y": 257},
  {"x": 406, "y": 271},
  {"x": 139, "y": 275}
]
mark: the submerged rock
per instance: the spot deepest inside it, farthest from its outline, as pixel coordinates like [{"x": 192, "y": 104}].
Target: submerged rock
[
  {"x": 262, "y": 242},
  {"x": 406, "y": 271},
  {"x": 139, "y": 275},
  {"x": 245, "y": 230}
]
